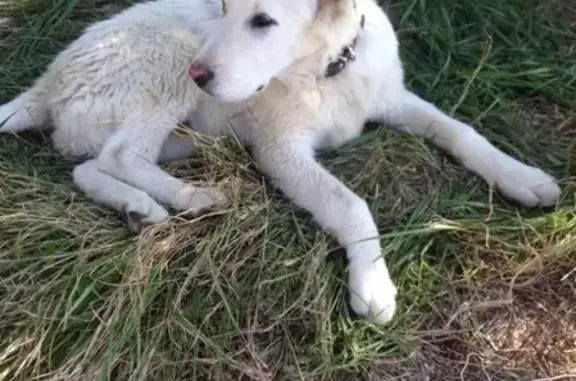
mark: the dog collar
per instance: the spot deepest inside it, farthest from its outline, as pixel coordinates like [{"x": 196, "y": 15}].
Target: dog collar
[{"x": 347, "y": 54}]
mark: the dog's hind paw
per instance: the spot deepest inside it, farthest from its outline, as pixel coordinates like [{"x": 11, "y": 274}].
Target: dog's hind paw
[
  {"x": 372, "y": 292},
  {"x": 196, "y": 201},
  {"x": 143, "y": 212}
]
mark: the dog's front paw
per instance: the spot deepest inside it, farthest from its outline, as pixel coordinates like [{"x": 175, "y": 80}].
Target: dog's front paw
[
  {"x": 372, "y": 292},
  {"x": 196, "y": 201},
  {"x": 528, "y": 185},
  {"x": 522, "y": 183}
]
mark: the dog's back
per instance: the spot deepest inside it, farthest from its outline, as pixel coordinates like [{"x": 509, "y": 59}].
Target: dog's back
[{"x": 137, "y": 59}]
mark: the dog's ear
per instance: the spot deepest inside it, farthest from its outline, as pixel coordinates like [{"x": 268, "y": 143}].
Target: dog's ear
[{"x": 335, "y": 9}]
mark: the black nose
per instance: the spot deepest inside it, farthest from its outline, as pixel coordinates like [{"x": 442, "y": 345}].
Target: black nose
[
  {"x": 202, "y": 80},
  {"x": 200, "y": 74}
]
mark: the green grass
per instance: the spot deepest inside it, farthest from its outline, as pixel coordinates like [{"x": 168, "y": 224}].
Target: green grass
[{"x": 486, "y": 289}]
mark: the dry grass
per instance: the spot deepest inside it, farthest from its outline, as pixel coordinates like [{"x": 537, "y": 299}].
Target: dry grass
[{"x": 256, "y": 292}]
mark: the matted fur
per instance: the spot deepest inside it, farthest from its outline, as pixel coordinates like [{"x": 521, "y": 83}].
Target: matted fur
[{"x": 117, "y": 92}]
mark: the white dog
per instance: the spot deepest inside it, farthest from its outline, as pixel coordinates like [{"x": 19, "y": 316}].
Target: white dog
[{"x": 303, "y": 75}]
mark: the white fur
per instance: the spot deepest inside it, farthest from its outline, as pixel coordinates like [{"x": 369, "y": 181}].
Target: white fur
[{"x": 117, "y": 92}]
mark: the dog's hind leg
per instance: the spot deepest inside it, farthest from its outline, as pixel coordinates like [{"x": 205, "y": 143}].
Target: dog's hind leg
[
  {"x": 131, "y": 155},
  {"x": 139, "y": 208},
  {"x": 176, "y": 148},
  {"x": 27, "y": 111},
  {"x": 527, "y": 185}
]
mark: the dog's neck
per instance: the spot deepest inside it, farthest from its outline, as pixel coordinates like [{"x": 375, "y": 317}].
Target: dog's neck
[
  {"x": 312, "y": 66},
  {"x": 347, "y": 55}
]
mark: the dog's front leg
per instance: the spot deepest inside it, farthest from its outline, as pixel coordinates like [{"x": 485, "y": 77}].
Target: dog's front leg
[
  {"x": 291, "y": 166},
  {"x": 527, "y": 185}
]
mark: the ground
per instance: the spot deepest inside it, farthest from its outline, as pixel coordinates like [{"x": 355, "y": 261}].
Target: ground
[{"x": 486, "y": 288}]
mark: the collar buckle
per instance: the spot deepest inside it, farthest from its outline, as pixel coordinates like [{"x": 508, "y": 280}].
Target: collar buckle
[{"x": 347, "y": 54}]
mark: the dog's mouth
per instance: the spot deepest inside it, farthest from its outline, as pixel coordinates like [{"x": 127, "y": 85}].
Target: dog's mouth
[
  {"x": 204, "y": 77},
  {"x": 205, "y": 80}
]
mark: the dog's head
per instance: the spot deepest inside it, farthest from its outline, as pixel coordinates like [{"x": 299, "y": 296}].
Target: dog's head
[{"x": 257, "y": 40}]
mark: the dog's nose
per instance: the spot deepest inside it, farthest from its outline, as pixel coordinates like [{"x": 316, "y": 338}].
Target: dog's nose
[{"x": 201, "y": 74}]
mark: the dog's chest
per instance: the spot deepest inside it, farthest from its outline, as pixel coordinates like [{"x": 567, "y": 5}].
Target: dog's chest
[{"x": 347, "y": 102}]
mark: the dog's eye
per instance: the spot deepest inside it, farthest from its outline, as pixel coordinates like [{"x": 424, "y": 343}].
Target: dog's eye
[{"x": 262, "y": 20}]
